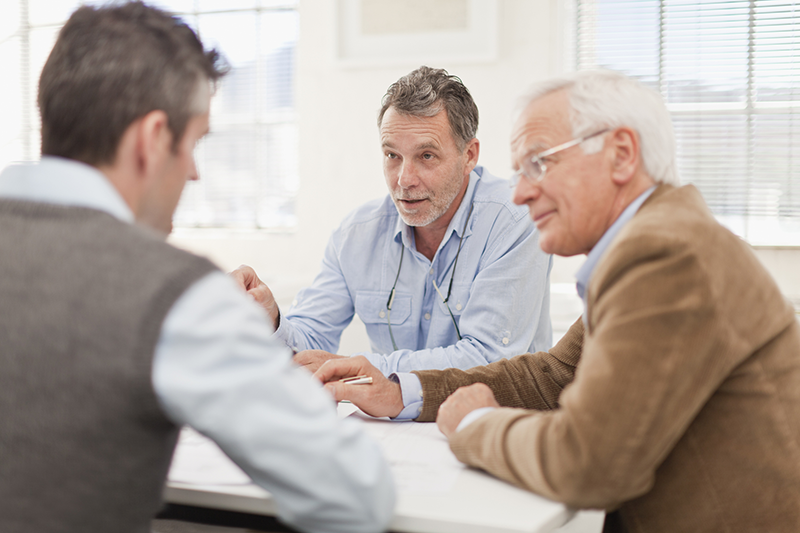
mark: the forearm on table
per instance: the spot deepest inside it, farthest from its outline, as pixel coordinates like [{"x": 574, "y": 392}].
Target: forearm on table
[
  {"x": 510, "y": 379},
  {"x": 538, "y": 451},
  {"x": 628, "y": 407}
]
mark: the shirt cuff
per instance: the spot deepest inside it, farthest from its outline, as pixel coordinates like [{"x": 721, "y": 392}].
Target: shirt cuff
[
  {"x": 472, "y": 416},
  {"x": 284, "y": 334},
  {"x": 411, "y": 388}
]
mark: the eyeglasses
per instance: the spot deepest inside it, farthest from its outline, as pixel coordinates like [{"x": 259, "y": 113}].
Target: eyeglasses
[
  {"x": 534, "y": 167},
  {"x": 390, "y": 301}
]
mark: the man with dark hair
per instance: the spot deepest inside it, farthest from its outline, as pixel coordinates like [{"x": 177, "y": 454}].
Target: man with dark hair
[
  {"x": 112, "y": 339},
  {"x": 437, "y": 269}
]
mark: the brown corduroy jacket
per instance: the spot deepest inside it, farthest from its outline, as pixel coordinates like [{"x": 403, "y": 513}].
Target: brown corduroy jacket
[{"x": 677, "y": 407}]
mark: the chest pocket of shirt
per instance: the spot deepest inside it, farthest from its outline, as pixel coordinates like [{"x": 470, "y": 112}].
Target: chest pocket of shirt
[
  {"x": 457, "y": 302},
  {"x": 371, "y": 307}
]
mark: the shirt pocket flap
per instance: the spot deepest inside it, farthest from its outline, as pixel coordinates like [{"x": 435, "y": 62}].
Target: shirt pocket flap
[{"x": 371, "y": 307}]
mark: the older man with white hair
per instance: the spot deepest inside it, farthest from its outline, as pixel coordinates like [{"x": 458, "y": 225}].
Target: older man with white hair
[{"x": 674, "y": 403}]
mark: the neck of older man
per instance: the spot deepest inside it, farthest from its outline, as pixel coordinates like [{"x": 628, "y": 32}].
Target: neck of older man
[
  {"x": 631, "y": 192},
  {"x": 625, "y": 195}
]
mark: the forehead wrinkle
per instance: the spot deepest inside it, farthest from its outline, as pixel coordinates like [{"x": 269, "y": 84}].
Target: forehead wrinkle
[
  {"x": 429, "y": 145},
  {"x": 426, "y": 144},
  {"x": 537, "y": 134}
]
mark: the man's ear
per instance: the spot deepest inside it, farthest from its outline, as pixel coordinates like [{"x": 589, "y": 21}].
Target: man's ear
[
  {"x": 153, "y": 144},
  {"x": 625, "y": 155},
  {"x": 472, "y": 150}
]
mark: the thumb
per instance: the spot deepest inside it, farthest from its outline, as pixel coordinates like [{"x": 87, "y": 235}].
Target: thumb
[{"x": 333, "y": 390}]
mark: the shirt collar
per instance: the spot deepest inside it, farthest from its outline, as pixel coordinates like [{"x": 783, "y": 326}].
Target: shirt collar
[
  {"x": 584, "y": 274},
  {"x": 404, "y": 231},
  {"x": 65, "y": 182}
]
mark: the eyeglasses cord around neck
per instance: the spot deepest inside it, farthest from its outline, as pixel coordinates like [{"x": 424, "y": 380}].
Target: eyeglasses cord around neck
[{"x": 390, "y": 301}]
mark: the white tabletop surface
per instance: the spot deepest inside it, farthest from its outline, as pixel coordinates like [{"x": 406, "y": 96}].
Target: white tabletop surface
[{"x": 436, "y": 493}]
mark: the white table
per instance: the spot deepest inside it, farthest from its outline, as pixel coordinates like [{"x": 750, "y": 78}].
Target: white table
[{"x": 436, "y": 493}]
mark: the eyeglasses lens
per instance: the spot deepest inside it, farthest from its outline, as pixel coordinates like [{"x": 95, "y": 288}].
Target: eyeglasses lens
[{"x": 534, "y": 169}]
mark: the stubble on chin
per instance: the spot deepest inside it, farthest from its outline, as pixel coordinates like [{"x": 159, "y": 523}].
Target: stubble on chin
[{"x": 419, "y": 217}]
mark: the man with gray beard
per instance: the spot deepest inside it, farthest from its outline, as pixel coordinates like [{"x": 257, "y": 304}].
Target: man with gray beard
[{"x": 444, "y": 271}]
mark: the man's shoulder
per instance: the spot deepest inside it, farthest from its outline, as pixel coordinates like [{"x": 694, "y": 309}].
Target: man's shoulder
[
  {"x": 137, "y": 247},
  {"x": 380, "y": 211},
  {"x": 675, "y": 215},
  {"x": 675, "y": 234}
]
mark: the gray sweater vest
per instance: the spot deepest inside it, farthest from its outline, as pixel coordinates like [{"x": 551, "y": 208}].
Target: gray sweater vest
[{"x": 84, "y": 445}]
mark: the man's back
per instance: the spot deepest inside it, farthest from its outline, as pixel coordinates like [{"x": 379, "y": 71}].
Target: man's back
[
  {"x": 85, "y": 444},
  {"x": 724, "y": 370}
]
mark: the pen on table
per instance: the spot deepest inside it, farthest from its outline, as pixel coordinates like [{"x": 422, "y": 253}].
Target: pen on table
[{"x": 357, "y": 380}]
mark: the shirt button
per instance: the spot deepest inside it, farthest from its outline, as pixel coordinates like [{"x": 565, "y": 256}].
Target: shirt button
[
  {"x": 458, "y": 307},
  {"x": 431, "y": 272},
  {"x": 505, "y": 340},
  {"x": 427, "y": 316},
  {"x": 381, "y": 314},
  {"x": 420, "y": 394},
  {"x": 294, "y": 302}
]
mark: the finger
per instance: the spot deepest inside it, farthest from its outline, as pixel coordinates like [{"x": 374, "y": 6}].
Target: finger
[
  {"x": 336, "y": 369},
  {"x": 342, "y": 392},
  {"x": 246, "y": 277},
  {"x": 261, "y": 294},
  {"x": 333, "y": 390},
  {"x": 301, "y": 358},
  {"x": 239, "y": 278},
  {"x": 311, "y": 367},
  {"x": 444, "y": 420}
]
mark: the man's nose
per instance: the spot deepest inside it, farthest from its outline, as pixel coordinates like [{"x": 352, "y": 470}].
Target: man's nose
[
  {"x": 526, "y": 191},
  {"x": 407, "y": 176}
]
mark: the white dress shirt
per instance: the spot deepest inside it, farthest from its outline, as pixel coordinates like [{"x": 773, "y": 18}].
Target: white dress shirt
[{"x": 216, "y": 368}]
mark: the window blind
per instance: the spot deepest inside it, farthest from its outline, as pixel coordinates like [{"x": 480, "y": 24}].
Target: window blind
[
  {"x": 248, "y": 162},
  {"x": 729, "y": 72}
]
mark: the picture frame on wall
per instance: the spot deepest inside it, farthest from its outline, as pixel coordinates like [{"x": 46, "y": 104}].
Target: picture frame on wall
[{"x": 393, "y": 32}]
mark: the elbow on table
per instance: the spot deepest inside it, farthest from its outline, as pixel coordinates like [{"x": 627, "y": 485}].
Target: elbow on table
[{"x": 593, "y": 486}]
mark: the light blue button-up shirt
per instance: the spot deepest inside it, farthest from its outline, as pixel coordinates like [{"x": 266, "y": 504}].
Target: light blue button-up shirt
[
  {"x": 218, "y": 369},
  {"x": 500, "y": 297}
]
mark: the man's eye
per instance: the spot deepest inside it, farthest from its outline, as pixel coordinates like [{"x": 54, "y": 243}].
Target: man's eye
[
  {"x": 391, "y": 155},
  {"x": 427, "y": 156}
]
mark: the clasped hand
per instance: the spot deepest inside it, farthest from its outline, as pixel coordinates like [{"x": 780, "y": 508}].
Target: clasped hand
[
  {"x": 246, "y": 278},
  {"x": 380, "y": 398},
  {"x": 462, "y": 402}
]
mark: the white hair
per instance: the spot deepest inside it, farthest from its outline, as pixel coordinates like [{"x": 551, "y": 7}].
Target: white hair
[{"x": 608, "y": 99}]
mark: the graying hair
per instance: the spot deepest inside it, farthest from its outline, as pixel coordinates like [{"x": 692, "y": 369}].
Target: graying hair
[
  {"x": 607, "y": 99},
  {"x": 425, "y": 92}
]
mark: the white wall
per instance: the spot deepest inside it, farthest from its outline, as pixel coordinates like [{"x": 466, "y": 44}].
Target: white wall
[{"x": 340, "y": 160}]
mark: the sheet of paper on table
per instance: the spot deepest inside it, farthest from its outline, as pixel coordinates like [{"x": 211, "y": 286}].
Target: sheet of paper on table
[
  {"x": 199, "y": 461},
  {"x": 418, "y": 454}
]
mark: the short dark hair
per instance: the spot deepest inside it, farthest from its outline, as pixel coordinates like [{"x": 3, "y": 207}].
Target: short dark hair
[
  {"x": 111, "y": 66},
  {"x": 425, "y": 91}
]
